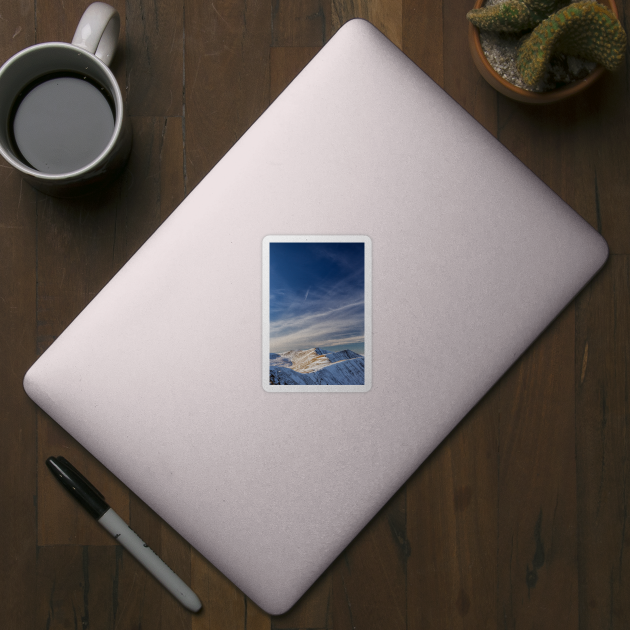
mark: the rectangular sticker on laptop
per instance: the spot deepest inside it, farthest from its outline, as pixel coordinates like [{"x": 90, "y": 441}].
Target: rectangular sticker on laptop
[{"x": 317, "y": 313}]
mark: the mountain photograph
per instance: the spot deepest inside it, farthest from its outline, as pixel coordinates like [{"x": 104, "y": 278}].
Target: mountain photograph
[{"x": 316, "y": 313}]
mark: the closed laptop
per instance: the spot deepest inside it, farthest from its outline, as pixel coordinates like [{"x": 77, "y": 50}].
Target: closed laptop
[{"x": 317, "y": 315}]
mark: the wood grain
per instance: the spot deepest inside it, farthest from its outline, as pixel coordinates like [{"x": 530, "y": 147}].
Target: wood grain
[
  {"x": 154, "y": 57},
  {"x": 386, "y": 15},
  {"x": 18, "y": 416},
  {"x": 452, "y": 515},
  {"x": 537, "y": 510},
  {"x": 461, "y": 79},
  {"x": 609, "y": 134},
  {"x": 285, "y": 64},
  {"x": 76, "y": 587},
  {"x": 369, "y": 577},
  {"x": 602, "y": 380},
  {"x": 300, "y": 23},
  {"x": 226, "y": 78},
  {"x": 422, "y": 36}
]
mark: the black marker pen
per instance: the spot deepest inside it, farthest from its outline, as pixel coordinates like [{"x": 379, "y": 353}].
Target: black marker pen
[{"x": 94, "y": 502}]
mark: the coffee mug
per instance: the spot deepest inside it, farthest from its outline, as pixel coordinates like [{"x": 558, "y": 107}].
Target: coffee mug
[{"x": 62, "y": 114}]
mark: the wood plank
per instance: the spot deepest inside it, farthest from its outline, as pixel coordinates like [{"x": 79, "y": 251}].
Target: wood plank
[
  {"x": 300, "y": 22},
  {"x": 17, "y": 28},
  {"x": 452, "y": 526},
  {"x": 560, "y": 151},
  {"x": 603, "y": 442},
  {"x": 285, "y": 64},
  {"x": 18, "y": 415},
  {"x": 369, "y": 577},
  {"x": 386, "y": 15},
  {"x": 18, "y": 421},
  {"x": 154, "y": 57},
  {"x": 461, "y": 78},
  {"x": 537, "y": 537},
  {"x": 226, "y": 78},
  {"x": 423, "y": 36},
  {"x": 255, "y": 618},
  {"x": 608, "y": 127},
  {"x": 76, "y": 587},
  {"x": 566, "y": 149}
]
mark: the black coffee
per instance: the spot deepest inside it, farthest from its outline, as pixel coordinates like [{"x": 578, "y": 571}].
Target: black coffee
[{"x": 61, "y": 123}]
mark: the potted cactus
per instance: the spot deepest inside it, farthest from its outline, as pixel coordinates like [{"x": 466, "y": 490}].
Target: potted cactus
[{"x": 558, "y": 49}]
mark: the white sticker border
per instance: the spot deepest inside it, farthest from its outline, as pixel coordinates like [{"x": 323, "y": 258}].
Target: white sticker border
[{"x": 300, "y": 238}]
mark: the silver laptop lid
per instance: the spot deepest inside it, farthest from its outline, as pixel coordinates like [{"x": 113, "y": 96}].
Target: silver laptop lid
[{"x": 162, "y": 377}]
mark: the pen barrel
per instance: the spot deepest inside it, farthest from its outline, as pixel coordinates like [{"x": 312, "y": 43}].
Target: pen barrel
[{"x": 149, "y": 559}]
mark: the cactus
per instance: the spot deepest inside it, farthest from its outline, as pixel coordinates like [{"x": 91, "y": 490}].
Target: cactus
[
  {"x": 584, "y": 29},
  {"x": 513, "y": 16}
]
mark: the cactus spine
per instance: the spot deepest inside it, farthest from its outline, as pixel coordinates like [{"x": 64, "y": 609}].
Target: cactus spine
[
  {"x": 513, "y": 16},
  {"x": 583, "y": 29}
]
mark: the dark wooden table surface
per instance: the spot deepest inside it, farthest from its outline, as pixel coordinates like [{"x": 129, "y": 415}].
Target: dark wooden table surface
[{"x": 518, "y": 520}]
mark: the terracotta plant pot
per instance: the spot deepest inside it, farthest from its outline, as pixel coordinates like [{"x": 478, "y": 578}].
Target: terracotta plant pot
[{"x": 519, "y": 94}]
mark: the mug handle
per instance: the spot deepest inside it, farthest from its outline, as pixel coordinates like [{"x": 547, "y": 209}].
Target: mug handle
[{"x": 98, "y": 30}]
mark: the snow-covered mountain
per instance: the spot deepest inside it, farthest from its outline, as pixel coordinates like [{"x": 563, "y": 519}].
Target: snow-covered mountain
[
  {"x": 304, "y": 361},
  {"x": 316, "y": 367}
]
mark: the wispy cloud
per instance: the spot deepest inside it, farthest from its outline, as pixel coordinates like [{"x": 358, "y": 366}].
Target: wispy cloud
[{"x": 333, "y": 315}]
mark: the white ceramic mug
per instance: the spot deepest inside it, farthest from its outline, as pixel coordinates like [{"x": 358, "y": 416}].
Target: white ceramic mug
[{"x": 88, "y": 57}]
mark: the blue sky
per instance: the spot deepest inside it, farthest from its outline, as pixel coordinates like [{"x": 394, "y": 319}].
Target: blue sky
[{"x": 317, "y": 293}]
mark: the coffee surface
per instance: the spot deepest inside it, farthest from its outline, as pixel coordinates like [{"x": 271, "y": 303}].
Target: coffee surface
[{"x": 62, "y": 124}]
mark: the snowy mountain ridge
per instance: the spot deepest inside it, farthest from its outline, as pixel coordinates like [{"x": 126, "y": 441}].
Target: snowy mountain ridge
[{"x": 314, "y": 366}]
